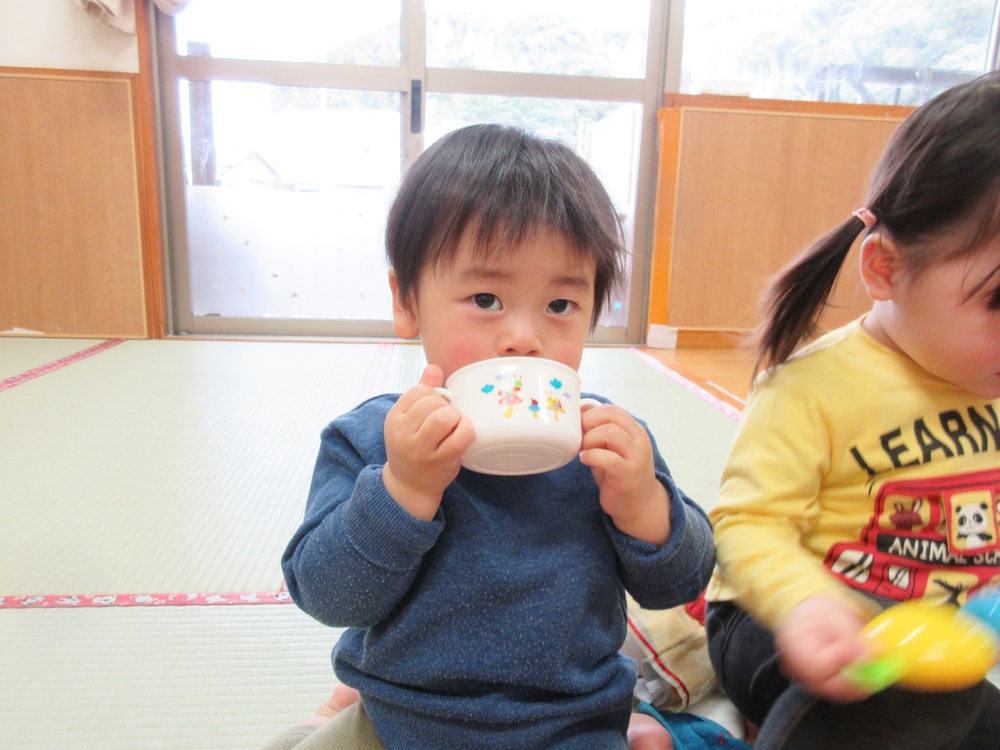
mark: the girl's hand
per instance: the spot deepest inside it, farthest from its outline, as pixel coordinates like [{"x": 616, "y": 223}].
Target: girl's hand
[
  {"x": 618, "y": 451},
  {"x": 817, "y": 640},
  {"x": 425, "y": 438}
]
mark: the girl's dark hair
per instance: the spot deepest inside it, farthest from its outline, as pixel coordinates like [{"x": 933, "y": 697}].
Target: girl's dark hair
[
  {"x": 505, "y": 184},
  {"x": 939, "y": 176}
]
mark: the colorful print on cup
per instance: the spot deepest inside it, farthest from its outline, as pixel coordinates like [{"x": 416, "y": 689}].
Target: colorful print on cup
[
  {"x": 509, "y": 396},
  {"x": 525, "y": 411}
]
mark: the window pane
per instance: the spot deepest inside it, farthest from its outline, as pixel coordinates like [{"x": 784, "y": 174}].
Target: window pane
[
  {"x": 862, "y": 51},
  {"x": 592, "y": 38},
  {"x": 302, "y": 31},
  {"x": 286, "y": 193},
  {"x": 606, "y": 134}
]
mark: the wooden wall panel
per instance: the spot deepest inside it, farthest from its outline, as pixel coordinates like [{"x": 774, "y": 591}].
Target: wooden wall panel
[
  {"x": 744, "y": 191},
  {"x": 70, "y": 242}
]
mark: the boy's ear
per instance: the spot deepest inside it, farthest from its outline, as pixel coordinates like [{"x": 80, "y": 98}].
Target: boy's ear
[
  {"x": 880, "y": 262},
  {"x": 404, "y": 313}
]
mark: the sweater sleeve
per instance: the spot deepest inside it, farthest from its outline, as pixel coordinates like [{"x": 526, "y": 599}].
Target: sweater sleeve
[
  {"x": 769, "y": 500},
  {"x": 677, "y": 572},
  {"x": 354, "y": 533}
]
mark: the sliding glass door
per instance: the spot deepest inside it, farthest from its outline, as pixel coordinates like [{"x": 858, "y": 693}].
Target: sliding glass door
[{"x": 285, "y": 134}]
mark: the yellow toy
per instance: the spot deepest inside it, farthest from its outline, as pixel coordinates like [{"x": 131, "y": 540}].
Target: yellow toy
[{"x": 932, "y": 648}]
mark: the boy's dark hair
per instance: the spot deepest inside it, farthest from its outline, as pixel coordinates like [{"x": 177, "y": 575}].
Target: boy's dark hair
[
  {"x": 939, "y": 176},
  {"x": 505, "y": 184}
]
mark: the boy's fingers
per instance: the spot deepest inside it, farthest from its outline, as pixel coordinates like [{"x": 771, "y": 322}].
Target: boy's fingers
[{"x": 432, "y": 376}]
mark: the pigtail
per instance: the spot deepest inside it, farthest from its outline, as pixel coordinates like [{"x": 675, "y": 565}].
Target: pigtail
[
  {"x": 938, "y": 177},
  {"x": 794, "y": 300}
]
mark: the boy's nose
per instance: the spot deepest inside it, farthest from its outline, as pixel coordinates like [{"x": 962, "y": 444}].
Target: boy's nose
[{"x": 520, "y": 338}]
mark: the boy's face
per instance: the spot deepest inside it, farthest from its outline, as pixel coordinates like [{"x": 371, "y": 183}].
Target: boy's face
[{"x": 536, "y": 301}]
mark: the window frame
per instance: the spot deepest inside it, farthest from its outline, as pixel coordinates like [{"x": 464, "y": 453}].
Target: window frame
[{"x": 647, "y": 92}]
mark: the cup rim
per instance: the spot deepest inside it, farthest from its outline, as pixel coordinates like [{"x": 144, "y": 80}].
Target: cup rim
[{"x": 514, "y": 361}]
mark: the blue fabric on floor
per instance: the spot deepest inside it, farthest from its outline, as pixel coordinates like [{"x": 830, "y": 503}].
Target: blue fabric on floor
[{"x": 693, "y": 732}]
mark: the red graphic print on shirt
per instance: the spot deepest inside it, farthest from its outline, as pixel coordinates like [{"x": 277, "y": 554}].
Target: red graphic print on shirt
[{"x": 937, "y": 538}]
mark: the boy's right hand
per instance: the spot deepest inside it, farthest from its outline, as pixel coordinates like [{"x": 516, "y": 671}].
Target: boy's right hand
[
  {"x": 818, "y": 639},
  {"x": 425, "y": 438}
]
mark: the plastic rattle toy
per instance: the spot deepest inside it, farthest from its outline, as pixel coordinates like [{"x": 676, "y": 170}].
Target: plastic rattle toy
[{"x": 932, "y": 648}]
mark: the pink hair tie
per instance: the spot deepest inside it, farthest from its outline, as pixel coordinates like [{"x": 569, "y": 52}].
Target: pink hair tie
[{"x": 867, "y": 217}]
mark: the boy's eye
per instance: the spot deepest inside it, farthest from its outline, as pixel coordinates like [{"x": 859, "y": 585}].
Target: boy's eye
[
  {"x": 561, "y": 306},
  {"x": 485, "y": 301}
]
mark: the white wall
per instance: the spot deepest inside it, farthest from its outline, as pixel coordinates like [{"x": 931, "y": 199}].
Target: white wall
[{"x": 60, "y": 34}]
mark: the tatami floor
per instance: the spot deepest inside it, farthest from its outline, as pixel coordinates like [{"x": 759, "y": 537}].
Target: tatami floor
[{"x": 147, "y": 489}]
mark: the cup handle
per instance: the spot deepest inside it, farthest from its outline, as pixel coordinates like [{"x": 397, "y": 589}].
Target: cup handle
[
  {"x": 586, "y": 403},
  {"x": 444, "y": 392}
]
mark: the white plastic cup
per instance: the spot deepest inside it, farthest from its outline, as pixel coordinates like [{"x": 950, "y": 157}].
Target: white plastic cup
[{"x": 525, "y": 411}]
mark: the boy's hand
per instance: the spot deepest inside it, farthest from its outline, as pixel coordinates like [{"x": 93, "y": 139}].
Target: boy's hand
[
  {"x": 620, "y": 455},
  {"x": 816, "y": 641},
  {"x": 424, "y": 440}
]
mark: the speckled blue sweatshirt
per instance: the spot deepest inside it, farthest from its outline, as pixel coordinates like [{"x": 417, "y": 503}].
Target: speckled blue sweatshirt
[{"x": 498, "y": 623}]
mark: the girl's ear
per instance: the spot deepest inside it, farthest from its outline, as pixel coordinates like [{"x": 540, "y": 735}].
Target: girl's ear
[
  {"x": 404, "y": 312},
  {"x": 880, "y": 262}
]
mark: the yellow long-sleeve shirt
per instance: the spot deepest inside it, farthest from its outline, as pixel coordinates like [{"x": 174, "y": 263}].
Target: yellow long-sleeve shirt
[{"x": 855, "y": 469}]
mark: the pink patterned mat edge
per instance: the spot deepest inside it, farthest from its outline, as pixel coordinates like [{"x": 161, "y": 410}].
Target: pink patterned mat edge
[
  {"x": 71, "y": 601},
  {"x": 58, "y": 364}
]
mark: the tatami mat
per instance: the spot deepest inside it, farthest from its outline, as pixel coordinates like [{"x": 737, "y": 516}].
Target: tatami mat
[
  {"x": 183, "y": 466},
  {"x": 165, "y": 678},
  {"x": 180, "y": 467},
  {"x": 169, "y": 465},
  {"x": 174, "y": 678}
]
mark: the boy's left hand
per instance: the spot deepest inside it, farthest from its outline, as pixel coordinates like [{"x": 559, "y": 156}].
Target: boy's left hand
[{"x": 619, "y": 453}]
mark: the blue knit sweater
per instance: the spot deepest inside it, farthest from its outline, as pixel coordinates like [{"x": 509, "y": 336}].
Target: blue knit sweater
[{"x": 498, "y": 623}]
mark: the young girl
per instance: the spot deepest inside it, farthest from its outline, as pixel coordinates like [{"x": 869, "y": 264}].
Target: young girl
[{"x": 866, "y": 469}]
